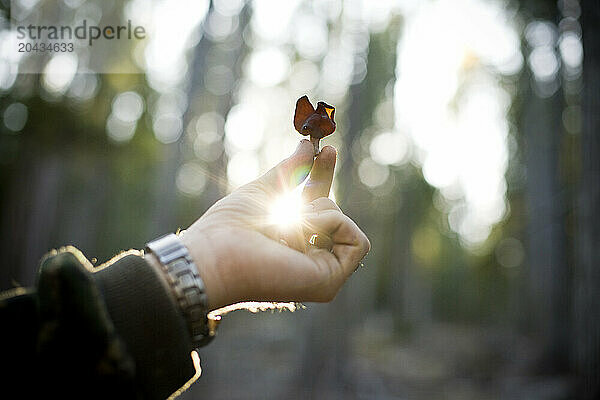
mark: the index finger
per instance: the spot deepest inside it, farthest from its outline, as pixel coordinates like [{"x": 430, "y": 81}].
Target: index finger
[{"x": 291, "y": 171}]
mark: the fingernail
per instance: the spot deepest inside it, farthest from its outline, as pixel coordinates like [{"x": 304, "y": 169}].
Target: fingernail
[{"x": 301, "y": 143}]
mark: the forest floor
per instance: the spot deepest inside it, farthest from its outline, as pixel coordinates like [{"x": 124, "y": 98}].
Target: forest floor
[
  {"x": 449, "y": 361},
  {"x": 263, "y": 357}
]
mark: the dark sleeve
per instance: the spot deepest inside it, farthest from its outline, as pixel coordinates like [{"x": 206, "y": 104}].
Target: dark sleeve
[{"x": 114, "y": 332}]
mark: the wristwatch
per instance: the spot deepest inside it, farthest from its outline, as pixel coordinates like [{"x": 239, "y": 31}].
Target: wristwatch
[{"x": 188, "y": 287}]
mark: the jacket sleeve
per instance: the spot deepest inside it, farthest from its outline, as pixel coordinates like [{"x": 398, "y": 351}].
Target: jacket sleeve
[{"x": 106, "y": 332}]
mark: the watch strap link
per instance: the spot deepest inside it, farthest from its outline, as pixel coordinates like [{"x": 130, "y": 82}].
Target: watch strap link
[{"x": 188, "y": 287}]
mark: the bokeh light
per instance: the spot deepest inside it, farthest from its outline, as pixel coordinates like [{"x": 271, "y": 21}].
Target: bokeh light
[
  {"x": 571, "y": 50},
  {"x": 371, "y": 173},
  {"x": 244, "y": 128},
  {"x": 167, "y": 127},
  {"x": 15, "y": 117},
  {"x": 242, "y": 168},
  {"x": 268, "y": 67},
  {"x": 461, "y": 136},
  {"x": 59, "y": 73},
  {"x": 128, "y": 106},
  {"x": 119, "y": 131},
  {"x": 191, "y": 179},
  {"x": 389, "y": 148}
]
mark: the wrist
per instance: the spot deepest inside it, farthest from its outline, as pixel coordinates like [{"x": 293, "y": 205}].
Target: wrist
[
  {"x": 187, "y": 287},
  {"x": 204, "y": 257}
]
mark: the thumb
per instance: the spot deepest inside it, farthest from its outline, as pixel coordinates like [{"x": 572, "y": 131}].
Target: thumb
[{"x": 290, "y": 172}]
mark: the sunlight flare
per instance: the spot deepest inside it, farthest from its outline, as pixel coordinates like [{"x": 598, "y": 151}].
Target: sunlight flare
[{"x": 286, "y": 211}]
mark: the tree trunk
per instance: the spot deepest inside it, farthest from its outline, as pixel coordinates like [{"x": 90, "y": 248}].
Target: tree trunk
[
  {"x": 587, "y": 273},
  {"x": 548, "y": 284}
]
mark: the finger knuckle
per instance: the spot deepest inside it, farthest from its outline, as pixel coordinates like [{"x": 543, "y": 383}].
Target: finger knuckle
[
  {"x": 366, "y": 243},
  {"x": 325, "y": 203}
]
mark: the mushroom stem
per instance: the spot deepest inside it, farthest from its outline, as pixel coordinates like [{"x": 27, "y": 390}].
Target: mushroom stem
[{"x": 317, "y": 144}]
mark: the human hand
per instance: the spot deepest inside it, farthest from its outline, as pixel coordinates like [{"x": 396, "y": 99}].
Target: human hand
[{"x": 241, "y": 256}]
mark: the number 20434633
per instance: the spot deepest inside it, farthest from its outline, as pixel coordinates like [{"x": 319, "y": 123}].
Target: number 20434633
[{"x": 24, "y": 47}]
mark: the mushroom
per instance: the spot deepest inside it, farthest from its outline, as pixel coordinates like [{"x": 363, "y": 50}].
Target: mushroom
[{"x": 314, "y": 123}]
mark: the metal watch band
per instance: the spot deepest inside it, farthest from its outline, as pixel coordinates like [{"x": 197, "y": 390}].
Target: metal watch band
[{"x": 182, "y": 275}]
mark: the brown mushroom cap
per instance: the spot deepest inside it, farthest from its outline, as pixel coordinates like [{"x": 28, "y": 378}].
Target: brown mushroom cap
[{"x": 314, "y": 123}]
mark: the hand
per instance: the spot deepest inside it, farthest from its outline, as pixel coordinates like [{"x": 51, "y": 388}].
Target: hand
[{"x": 241, "y": 255}]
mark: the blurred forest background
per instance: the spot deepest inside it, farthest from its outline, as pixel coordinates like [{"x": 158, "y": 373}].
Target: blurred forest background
[{"x": 468, "y": 152}]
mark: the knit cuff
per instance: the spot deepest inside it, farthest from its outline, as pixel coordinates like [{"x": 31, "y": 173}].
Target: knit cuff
[{"x": 149, "y": 321}]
